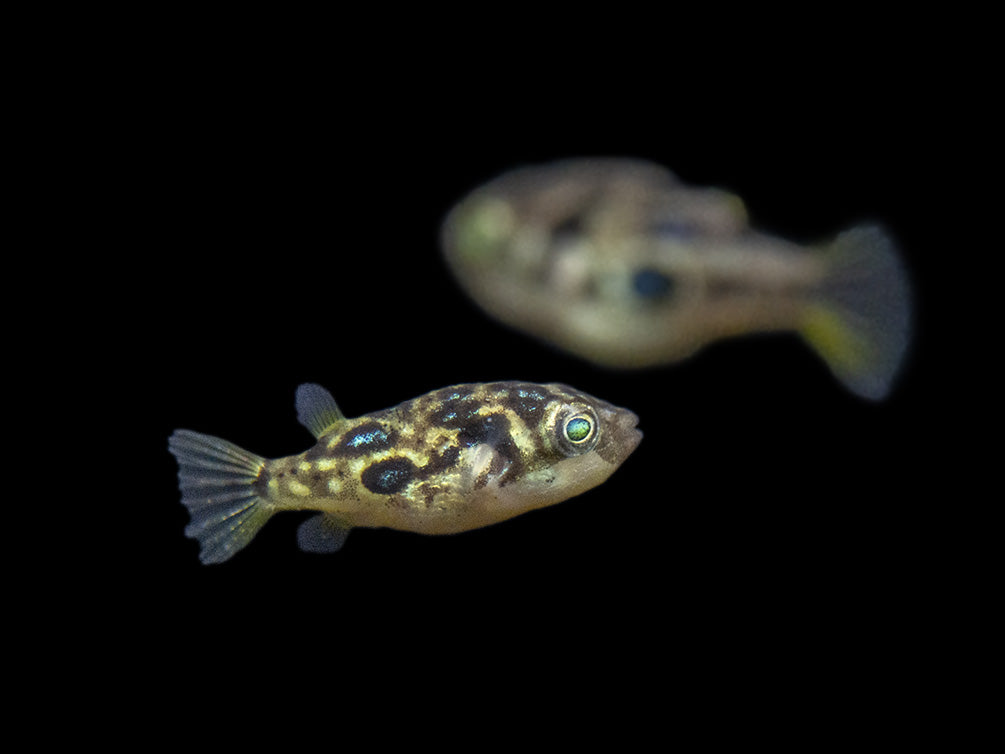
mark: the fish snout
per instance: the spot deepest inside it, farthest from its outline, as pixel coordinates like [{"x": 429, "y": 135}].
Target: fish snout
[{"x": 622, "y": 435}]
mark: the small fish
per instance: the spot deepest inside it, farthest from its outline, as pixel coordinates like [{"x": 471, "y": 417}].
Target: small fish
[
  {"x": 617, "y": 261},
  {"x": 454, "y": 459}
]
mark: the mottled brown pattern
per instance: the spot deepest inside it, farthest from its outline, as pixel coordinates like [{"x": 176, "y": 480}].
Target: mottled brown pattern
[
  {"x": 453, "y": 460},
  {"x": 528, "y": 402},
  {"x": 407, "y": 449}
]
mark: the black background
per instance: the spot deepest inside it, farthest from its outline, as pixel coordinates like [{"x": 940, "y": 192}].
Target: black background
[{"x": 283, "y": 229}]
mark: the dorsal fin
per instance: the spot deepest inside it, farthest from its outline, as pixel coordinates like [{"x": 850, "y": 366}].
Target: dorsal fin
[{"x": 316, "y": 409}]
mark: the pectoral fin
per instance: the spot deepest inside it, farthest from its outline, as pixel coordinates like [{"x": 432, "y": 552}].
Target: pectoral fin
[{"x": 482, "y": 464}]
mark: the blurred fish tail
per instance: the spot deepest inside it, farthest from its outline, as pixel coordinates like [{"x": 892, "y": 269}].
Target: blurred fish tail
[
  {"x": 217, "y": 481},
  {"x": 861, "y": 320}
]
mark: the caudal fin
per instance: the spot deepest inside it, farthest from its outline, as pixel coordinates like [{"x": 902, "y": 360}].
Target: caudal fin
[
  {"x": 217, "y": 481},
  {"x": 861, "y": 322}
]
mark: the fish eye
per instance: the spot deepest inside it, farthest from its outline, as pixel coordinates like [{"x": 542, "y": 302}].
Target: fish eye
[
  {"x": 579, "y": 432},
  {"x": 578, "y": 428},
  {"x": 651, "y": 284},
  {"x": 483, "y": 227}
]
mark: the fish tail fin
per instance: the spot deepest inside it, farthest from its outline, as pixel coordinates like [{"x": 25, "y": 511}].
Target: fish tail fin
[
  {"x": 860, "y": 322},
  {"x": 217, "y": 481}
]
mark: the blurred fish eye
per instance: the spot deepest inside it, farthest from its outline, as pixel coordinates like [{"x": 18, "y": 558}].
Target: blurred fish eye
[
  {"x": 651, "y": 284},
  {"x": 483, "y": 227}
]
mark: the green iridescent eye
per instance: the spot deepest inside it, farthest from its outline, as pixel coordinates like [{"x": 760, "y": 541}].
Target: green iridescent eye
[{"x": 578, "y": 429}]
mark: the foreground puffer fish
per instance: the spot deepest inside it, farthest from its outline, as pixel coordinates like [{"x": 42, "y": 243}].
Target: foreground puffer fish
[
  {"x": 452, "y": 460},
  {"x": 619, "y": 262}
]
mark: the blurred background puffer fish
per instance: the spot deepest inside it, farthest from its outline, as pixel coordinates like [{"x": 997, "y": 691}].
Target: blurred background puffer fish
[{"x": 617, "y": 261}]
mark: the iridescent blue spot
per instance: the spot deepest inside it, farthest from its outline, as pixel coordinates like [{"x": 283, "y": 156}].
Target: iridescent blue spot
[{"x": 368, "y": 438}]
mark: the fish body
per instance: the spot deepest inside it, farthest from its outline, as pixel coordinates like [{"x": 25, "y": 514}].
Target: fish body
[
  {"x": 617, "y": 261},
  {"x": 449, "y": 461}
]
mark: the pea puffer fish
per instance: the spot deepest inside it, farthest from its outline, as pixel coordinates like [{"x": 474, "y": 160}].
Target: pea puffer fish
[
  {"x": 617, "y": 261},
  {"x": 449, "y": 461}
]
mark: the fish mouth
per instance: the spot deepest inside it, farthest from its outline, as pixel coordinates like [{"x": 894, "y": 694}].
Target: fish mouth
[{"x": 629, "y": 427}]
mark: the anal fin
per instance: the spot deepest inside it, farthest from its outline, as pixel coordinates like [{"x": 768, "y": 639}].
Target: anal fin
[{"x": 323, "y": 533}]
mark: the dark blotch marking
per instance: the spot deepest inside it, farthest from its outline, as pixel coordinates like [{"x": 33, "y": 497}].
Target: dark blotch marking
[
  {"x": 494, "y": 430},
  {"x": 440, "y": 462},
  {"x": 528, "y": 402},
  {"x": 652, "y": 285},
  {"x": 389, "y": 476},
  {"x": 491, "y": 428},
  {"x": 437, "y": 463},
  {"x": 569, "y": 228},
  {"x": 368, "y": 437},
  {"x": 262, "y": 483},
  {"x": 456, "y": 408}
]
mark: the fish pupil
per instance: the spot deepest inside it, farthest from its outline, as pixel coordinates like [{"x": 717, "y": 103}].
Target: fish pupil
[
  {"x": 651, "y": 284},
  {"x": 578, "y": 429}
]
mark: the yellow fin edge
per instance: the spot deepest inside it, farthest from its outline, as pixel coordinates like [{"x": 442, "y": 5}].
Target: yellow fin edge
[{"x": 844, "y": 350}]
